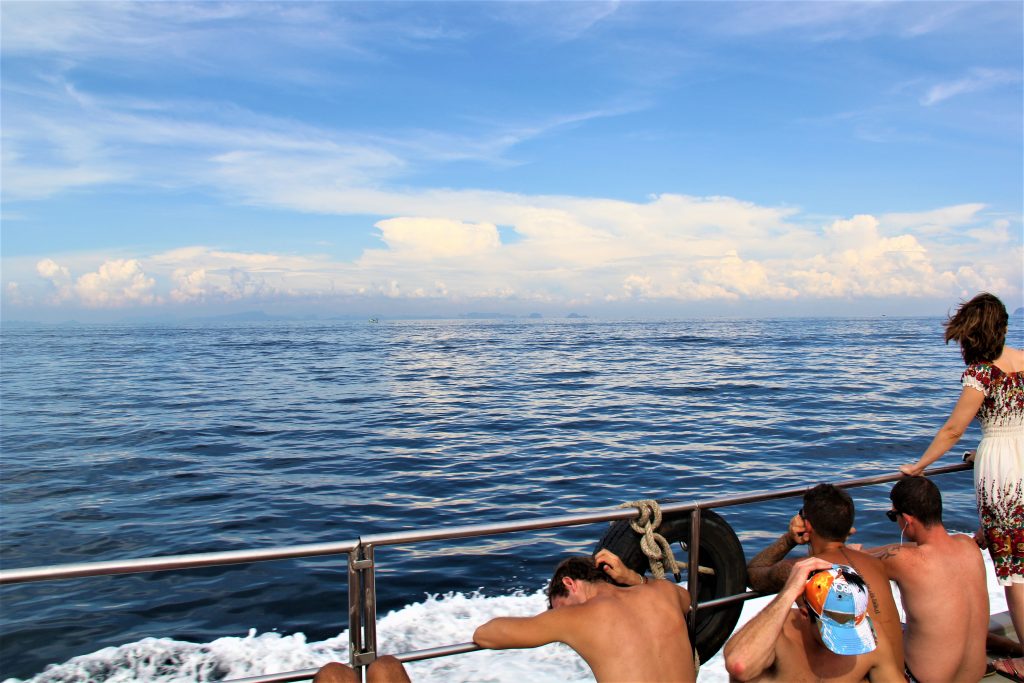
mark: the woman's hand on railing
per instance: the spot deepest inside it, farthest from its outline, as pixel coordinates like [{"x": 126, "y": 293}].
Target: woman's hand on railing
[{"x": 912, "y": 470}]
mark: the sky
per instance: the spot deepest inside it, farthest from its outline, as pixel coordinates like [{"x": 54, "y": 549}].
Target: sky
[{"x": 171, "y": 160}]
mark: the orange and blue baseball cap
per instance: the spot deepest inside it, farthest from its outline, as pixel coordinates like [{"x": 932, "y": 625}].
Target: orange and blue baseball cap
[{"x": 838, "y": 599}]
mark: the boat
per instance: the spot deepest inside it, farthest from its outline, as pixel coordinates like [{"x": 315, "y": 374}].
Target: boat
[{"x": 715, "y": 580}]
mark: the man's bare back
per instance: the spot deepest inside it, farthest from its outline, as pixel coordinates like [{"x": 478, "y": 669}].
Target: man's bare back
[
  {"x": 943, "y": 589},
  {"x": 942, "y": 585},
  {"x": 635, "y": 631},
  {"x": 800, "y": 658},
  {"x": 634, "y": 634}
]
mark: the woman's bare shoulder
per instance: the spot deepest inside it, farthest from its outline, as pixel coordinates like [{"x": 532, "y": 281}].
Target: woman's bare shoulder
[{"x": 1011, "y": 360}]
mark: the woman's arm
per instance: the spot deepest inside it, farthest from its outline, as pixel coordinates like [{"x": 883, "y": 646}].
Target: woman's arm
[{"x": 963, "y": 412}]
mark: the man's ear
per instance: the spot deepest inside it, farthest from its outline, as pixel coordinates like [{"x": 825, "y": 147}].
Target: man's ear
[{"x": 568, "y": 583}]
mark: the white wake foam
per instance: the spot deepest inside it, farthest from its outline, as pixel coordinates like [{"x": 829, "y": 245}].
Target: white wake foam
[{"x": 437, "y": 621}]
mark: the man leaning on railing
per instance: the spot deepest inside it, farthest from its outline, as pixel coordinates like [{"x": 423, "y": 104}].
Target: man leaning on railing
[{"x": 599, "y": 608}]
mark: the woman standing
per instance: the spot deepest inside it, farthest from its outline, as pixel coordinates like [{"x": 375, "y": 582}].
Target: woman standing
[{"x": 993, "y": 390}]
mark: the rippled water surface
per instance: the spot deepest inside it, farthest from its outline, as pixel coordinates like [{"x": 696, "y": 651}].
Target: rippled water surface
[{"x": 132, "y": 441}]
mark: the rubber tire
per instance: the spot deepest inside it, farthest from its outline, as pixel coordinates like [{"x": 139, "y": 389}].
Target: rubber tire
[{"x": 720, "y": 549}]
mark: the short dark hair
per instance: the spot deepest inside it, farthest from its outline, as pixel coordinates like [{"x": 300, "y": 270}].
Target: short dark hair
[
  {"x": 979, "y": 326},
  {"x": 829, "y": 509},
  {"x": 578, "y": 567},
  {"x": 920, "y": 497}
]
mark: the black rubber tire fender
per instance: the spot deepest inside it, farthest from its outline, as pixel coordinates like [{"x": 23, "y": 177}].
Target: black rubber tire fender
[{"x": 720, "y": 550}]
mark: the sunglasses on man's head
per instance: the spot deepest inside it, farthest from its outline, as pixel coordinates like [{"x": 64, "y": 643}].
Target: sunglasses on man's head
[{"x": 893, "y": 515}]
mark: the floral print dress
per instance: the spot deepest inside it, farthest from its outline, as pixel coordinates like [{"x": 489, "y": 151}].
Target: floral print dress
[{"x": 999, "y": 466}]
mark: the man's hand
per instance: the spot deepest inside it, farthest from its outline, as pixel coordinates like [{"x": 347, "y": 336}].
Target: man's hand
[
  {"x": 798, "y": 530},
  {"x": 752, "y": 649},
  {"x": 610, "y": 564},
  {"x": 798, "y": 576}
]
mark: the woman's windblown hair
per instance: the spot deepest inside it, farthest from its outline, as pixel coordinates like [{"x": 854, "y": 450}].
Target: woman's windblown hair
[{"x": 979, "y": 326}]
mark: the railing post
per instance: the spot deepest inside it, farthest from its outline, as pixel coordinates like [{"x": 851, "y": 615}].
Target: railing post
[
  {"x": 355, "y": 624},
  {"x": 693, "y": 571},
  {"x": 362, "y": 608},
  {"x": 369, "y": 606}
]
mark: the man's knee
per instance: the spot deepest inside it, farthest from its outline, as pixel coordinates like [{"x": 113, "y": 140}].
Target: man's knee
[
  {"x": 335, "y": 672},
  {"x": 386, "y": 669}
]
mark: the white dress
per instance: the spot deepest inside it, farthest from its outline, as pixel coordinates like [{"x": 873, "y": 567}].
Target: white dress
[{"x": 999, "y": 466}]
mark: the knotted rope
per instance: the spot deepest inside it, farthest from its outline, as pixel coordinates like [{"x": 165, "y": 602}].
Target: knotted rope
[{"x": 655, "y": 547}]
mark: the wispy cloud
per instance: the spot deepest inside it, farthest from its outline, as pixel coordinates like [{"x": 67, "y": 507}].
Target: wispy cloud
[{"x": 977, "y": 80}]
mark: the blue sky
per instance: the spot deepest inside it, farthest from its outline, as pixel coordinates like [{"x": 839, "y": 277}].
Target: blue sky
[{"x": 168, "y": 159}]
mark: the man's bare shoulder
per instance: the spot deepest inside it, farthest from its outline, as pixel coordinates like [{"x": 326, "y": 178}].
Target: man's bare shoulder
[
  {"x": 897, "y": 553},
  {"x": 966, "y": 544}
]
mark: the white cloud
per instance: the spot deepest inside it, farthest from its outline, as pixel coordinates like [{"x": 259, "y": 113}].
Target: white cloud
[
  {"x": 50, "y": 270},
  {"x": 574, "y": 251},
  {"x": 861, "y": 262},
  {"x": 976, "y": 80},
  {"x": 430, "y": 238},
  {"x": 942, "y": 220},
  {"x": 116, "y": 283}
]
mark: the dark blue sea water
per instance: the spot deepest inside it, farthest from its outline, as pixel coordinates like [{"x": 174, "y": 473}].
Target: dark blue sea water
[{"x": 131, "y": 441}]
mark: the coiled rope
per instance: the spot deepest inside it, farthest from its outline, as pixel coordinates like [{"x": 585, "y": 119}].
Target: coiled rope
[{"x": 655, "y": 547}]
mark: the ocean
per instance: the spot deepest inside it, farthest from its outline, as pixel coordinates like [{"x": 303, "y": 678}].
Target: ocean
[{"x": 128, "y": 441}]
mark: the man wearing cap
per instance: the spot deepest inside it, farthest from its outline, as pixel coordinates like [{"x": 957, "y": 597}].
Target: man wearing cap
[
  {"x": 942, "y": 585},
  {"x": 828, "y": 636},
  {"x": 824, "y": 523}
]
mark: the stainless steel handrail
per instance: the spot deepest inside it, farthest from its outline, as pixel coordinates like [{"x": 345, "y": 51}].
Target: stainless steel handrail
[
  {"x": 169, "y": 562},
  {"x": 362, "y": 600}
]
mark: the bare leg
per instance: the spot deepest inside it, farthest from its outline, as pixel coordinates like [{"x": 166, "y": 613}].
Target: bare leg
[
  {"x": 335, "y": 672},
  {"x": 387, "y": 669}
]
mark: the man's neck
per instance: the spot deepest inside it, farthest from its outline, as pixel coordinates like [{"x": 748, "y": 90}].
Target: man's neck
[
  {"x": 820, "y": 546},
  {"x": 936, "y": 533}
]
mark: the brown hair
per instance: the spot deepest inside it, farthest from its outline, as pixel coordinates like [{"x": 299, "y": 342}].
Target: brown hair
[
  {"x": 919, "y": 497},
  {"x": 829, "y": 509},
  {"x": 979, "y": 326},
  {"x": 579, "y": 567}
]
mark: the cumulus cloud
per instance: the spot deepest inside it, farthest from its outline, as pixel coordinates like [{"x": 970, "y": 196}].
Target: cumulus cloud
[
  {"x": 116, "y": 283},
  {"x": 573, "y": 251},
  {"x": 862, "y": 262},
  {"x": 431, "y": 238}
]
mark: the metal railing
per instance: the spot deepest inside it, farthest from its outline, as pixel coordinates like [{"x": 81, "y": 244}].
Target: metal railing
[{"x": 361, "y": 577}]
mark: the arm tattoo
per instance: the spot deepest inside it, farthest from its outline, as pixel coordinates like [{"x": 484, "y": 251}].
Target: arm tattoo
[
  {"x": 767, "y": 572},
  {"x": 888, "y": 551}
]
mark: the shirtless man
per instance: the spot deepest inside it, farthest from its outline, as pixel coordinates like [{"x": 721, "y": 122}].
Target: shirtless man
[
  {"x": 593, "y": 616},
  {"x": 942, "y": 586},
  {"x": 828, "y": 637},
  {"x": 601, "y": 621},
  {"x": 824, "y": 523}
]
